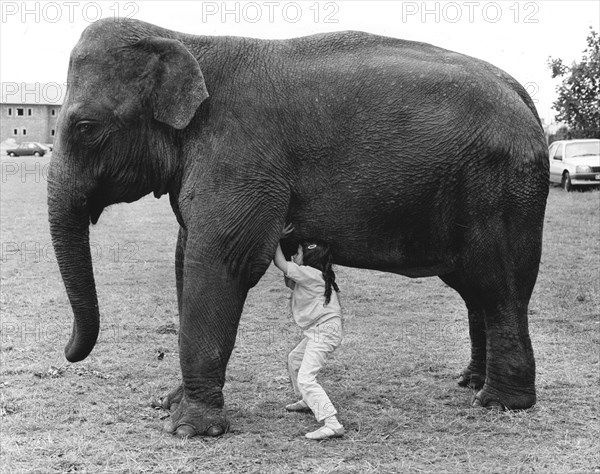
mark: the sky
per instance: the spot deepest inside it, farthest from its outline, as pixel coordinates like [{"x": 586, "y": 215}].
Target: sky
[{"x": 36, "y": 37}]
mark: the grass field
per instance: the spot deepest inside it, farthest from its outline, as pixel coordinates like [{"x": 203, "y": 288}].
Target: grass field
[{"x": 393, "y": 379}]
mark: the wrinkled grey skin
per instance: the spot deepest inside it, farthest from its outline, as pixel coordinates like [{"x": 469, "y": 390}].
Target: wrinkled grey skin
[{"x": 407, "y": 158}]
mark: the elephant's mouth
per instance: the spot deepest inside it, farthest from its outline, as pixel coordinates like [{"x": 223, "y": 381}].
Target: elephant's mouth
[
  {"x": 104, "y": 195},
  {"x": 95, "y": 208},
  {"x": 95, "y": 215}
]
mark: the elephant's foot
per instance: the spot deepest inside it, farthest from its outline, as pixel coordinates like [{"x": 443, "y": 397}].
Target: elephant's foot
[
  {"x": 472, "y": 378},
  {"x": 195, "y": 419},
  {"x": 171, "y": 400},
  {"x": 505, "y": 397}
]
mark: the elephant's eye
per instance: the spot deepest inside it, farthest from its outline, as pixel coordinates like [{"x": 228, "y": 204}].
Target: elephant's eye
[{"x": 85, "y": 127}]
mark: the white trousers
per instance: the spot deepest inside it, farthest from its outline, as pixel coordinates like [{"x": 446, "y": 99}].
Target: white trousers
[{"x": 307, "y": 358}]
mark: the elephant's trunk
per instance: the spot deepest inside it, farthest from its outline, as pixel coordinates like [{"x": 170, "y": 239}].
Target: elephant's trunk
[{"x": 69, "y": 226}]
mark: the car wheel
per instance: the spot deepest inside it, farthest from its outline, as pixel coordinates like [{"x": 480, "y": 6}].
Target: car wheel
[
  {"x": 37, "y": 154},
  {"x": 566, "y": 182},
  {"x": 11, "y": 154}
]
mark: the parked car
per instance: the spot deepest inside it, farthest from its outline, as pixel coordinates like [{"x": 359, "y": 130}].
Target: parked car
[
  {"x": 575, "y": 163},
  {"x": 27, "y": 148}
]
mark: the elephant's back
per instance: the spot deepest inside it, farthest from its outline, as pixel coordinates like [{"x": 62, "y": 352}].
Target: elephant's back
[
  {"x": 358, "y": 43},
  {"x": 404, "y": 87},
  {"x": 366, "y": 51},
  {"x": 402, "y": 69}
]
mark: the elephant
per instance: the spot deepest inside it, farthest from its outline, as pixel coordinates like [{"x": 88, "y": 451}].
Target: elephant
[{"x": 404, "y": 157}]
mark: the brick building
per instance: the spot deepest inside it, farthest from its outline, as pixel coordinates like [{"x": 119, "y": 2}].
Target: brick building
[{"x": 28, "y": 111}]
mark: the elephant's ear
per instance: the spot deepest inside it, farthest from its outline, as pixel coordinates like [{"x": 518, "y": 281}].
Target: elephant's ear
[{"x": 177, "y": 85}]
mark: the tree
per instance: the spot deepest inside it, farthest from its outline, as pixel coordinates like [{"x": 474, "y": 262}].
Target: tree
[
  {"x": 579, "y": 94},
  {"x": 561, "y": 134}
]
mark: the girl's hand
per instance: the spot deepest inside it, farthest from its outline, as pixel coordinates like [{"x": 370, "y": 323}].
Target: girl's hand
[
  {"x": 279, "y": 259},
  {"x": 287, "y": 230}
]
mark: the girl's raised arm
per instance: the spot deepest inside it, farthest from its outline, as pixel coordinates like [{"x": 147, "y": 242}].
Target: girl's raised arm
[{"x": 279, "y": 259}]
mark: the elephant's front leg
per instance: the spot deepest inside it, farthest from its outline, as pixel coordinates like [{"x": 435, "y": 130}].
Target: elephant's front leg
[
  {"x": 173, "y": 398},
  {"x": 211, "y": 304}
]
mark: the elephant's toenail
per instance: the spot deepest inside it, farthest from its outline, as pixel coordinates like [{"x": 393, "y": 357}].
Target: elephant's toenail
[
  {"x": 215, "y": 430},
  {"x": 185, "y": 431},
  {"x": 495, "y": 406},
  {"x": 168, "y": 427}
]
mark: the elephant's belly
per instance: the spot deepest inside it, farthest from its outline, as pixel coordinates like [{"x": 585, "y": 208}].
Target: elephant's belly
[
  {"x": 409, "y": 269},
  {"x": 419, "y": 272},
  {"x": 412, "y": 256},
  {"x": 387, "y": 228}
]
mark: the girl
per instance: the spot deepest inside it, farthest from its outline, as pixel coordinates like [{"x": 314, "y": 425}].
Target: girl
[{"x": 316, "y": 310}]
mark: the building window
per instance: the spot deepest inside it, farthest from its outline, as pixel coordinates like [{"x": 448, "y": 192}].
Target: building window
[
  {"x": 53, "y": 112},
  {"x": 10, "y": 111},
  {"x": 52, "y": 132},
  {"x": 24, "y": 131},
  {"x": 20, "y": 111},
  {"x": 15, "y": 131},
  {"x": 29, "y": 112}
]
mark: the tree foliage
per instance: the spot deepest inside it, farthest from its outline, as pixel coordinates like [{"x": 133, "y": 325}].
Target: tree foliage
[
  {"x": 578, "y": 100},
  {"x": 562, "y": 133}
]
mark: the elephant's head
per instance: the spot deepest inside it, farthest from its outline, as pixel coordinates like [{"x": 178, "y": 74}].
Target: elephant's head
[{"x": 132, "y": 88}]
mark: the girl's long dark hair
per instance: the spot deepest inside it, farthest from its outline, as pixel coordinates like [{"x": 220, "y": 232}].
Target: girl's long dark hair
[{"x": 317, "y": 254}]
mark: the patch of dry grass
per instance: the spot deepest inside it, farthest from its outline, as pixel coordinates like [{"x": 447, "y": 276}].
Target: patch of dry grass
[{"x": 393, "y": 379}]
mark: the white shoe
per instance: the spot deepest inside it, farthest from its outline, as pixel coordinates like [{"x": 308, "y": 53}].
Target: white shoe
[
  {"x": 326, "y": 432},
  {"x": 297, "y": 406}
]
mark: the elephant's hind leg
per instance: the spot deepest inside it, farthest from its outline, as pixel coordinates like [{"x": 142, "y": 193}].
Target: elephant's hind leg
[
  {"x": 496, "y": 276},
  {"x": 473, "y": 376}
]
